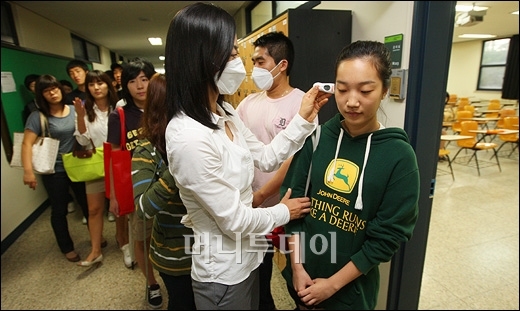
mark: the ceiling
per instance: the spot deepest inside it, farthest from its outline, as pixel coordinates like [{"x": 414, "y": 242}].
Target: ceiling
[
  {"x": 124, "y": 26},
  {"x": 121, "y": 26}
]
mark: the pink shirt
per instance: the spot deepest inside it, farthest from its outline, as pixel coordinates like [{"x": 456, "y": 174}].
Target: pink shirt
[{"x": 266, "y": 117}]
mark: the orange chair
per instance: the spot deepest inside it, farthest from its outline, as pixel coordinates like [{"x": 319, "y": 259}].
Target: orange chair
[
  {"x": 509, "y": 124},
  {"x": 470, "y": 108},
  {"x": 456, "y": 126},
  {"x": 505, "y": 112},
  {"x": 473, "y": 144},
  {"x": 445, "y": 153},
  {"x": 494, "y": 104},
  {"x": 463, "y": 101}
]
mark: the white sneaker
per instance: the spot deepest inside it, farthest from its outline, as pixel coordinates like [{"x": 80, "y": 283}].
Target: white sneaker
[
  {"x": 111, "y": 217},
  {"x": 127, "y": 258},
  {"x": 71, "y": 207},
  {"x": 84, "y": 220}
]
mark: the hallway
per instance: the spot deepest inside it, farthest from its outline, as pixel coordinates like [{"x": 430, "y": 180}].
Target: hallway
[{"x": 471, "y": 260}]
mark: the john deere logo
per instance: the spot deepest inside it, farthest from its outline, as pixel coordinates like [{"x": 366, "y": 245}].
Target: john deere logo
[{"x": 344, "y": 177}]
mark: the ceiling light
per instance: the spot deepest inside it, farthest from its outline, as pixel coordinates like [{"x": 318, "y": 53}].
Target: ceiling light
[
  {"x": 155, "y": 41},
  {"x": 161, "y": 57},
  {"x": 476, "y": 36},
  {"x": 467, "y": 8}
]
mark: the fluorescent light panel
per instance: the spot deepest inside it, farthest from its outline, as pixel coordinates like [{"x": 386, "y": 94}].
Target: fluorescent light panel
[
  {"x": 155, "y": 41},
  {"x": 476, "y": 36}
]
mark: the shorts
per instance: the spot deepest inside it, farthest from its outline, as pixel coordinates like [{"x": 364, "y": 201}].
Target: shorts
[
  {"x": 95, "y": 186},
  {"x": 138, "y": 227}
]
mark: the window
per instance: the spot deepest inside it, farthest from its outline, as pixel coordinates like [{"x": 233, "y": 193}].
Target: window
[
  {"x": 493, "y": 64},
  {"x": 8, "y": 29},
  {"x": 85, "y": 50}
]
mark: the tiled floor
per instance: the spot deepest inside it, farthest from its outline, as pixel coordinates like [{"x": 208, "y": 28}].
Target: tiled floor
[{"x": 471, "y": 260}]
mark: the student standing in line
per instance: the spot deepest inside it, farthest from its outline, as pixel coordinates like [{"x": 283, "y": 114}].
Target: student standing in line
[
  {"x": 61, "y": 119},
  {"x": 266, "y": 113},
  {"x": 364, "y": 188},
  {"x": 211, "y": 155},
  {"x": 135, "y": 79},
  {"x": 157, "y": 198},
  {"x": 30, "y": 84},
  {"x": 67, "y": 86},
  {"x": 77, "y": 71},
  {"x": 92, "y": 127},
  {"x": 117, "y": 71}
]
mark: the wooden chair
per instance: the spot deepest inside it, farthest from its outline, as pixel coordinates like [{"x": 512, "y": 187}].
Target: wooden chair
[
  {"x": 470, "y": 108},
  {"x": 509, "y": 124},
  {"x": 453, "y": 99},
  {"x": 463, "y": 101},
  {"x": 505, "y": 112},
  {"x": 494, "y": 104},
  {"x": 456, "y": 126},
  {"x": 473, "y": 144}
]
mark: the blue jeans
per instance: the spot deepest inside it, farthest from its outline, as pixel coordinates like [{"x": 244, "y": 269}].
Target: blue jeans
[{"x": 57, "y": 186}]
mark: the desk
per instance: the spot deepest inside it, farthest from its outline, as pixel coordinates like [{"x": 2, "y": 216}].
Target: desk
[
  {"x": 482, "y": 121},
  {"x": 492, "y": 132},
  {"x": 454, "y": 137}
]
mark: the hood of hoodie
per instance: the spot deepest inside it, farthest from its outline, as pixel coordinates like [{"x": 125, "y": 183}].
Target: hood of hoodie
[{"x": 334, "y": 130}]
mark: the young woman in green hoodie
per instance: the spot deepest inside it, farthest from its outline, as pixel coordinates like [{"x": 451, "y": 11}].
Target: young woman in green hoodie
[{"x": 364, "y": 189}]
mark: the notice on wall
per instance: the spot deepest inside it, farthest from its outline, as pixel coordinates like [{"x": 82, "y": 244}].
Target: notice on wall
[
  {"x": 8, "y": 84},
  {"x": 395, "y": 46}
]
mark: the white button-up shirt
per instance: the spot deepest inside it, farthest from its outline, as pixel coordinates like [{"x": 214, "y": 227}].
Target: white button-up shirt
[{"x": 214, "y": 176}]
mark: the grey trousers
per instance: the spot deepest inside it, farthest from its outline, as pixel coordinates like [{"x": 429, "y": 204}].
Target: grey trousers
[{"x": 216, "y": 296}]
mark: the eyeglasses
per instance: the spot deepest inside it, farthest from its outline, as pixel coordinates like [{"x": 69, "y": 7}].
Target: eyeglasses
[{"x": 51, "y": 89}]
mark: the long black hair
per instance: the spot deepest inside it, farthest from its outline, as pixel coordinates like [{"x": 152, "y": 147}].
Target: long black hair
[{"x": 198, "y": 46}]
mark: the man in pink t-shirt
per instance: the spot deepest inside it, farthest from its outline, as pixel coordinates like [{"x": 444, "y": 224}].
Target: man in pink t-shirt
[{"x": 266, "y": 113}]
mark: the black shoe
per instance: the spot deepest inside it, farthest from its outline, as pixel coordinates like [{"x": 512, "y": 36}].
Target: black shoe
[{"x": 154, "y": 296}]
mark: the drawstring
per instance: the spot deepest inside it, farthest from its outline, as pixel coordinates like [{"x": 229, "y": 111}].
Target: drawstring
[
  {"x": 330, "y": 178},
  {"x": 359, "y": 199}
]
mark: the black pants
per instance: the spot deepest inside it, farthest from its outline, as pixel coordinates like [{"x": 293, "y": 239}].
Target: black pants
[
  {"x": 57, "y": 186},
  {"x": 180, "y": 292},
  {"x": 266, "y": 272}
]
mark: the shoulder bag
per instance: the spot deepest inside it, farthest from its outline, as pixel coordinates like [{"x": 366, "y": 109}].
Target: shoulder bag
[
  {"x": 84, "y": 164},
  {"x": 44, "y": 150},
  {"x": 119, "y": 162}
]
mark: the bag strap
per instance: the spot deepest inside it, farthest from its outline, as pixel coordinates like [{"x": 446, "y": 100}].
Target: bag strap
[
  {"x": 315, "y": 139},
  {"x": 122, "y": 122},
  {"x": 44, "y": 123}
]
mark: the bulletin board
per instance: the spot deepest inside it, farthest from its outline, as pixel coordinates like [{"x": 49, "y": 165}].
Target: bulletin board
[{"x": 18, "y": 63}]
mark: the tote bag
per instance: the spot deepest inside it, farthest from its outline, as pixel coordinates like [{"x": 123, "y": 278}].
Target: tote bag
[
  {"x": 44, "y": 150},
  {"x": 84, "y": 164},
  {"x": 120, "y": 163}
]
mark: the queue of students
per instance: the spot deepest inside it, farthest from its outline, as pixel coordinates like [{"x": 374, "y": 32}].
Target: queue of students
[{"x": 195, "y": 162}]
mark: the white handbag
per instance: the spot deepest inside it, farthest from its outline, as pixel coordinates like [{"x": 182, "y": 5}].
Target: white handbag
[{"x": 44, "y": 150}]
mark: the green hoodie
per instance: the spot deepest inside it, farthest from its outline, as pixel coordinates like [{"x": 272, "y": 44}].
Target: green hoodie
[{"x": 364, "y": 192}]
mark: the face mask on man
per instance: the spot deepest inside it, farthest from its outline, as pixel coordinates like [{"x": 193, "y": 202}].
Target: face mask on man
[
  {"x": 263, "y": 78},
  {"x": 231, "y": 77}
]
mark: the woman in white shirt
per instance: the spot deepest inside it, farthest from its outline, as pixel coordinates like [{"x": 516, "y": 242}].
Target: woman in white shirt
[
  {"x": 212, "y": 156},
  {"x": 92, "y": 127}
]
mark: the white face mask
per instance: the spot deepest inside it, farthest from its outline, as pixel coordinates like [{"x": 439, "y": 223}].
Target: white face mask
[
  {"x": 231, "y": 77},
  {"x": 263, "y": 78}
]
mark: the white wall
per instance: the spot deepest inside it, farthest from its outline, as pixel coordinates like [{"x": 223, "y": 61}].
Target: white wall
[
  {"x": 18, "y": 201},
  {"x": 375, "y": 21}
]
